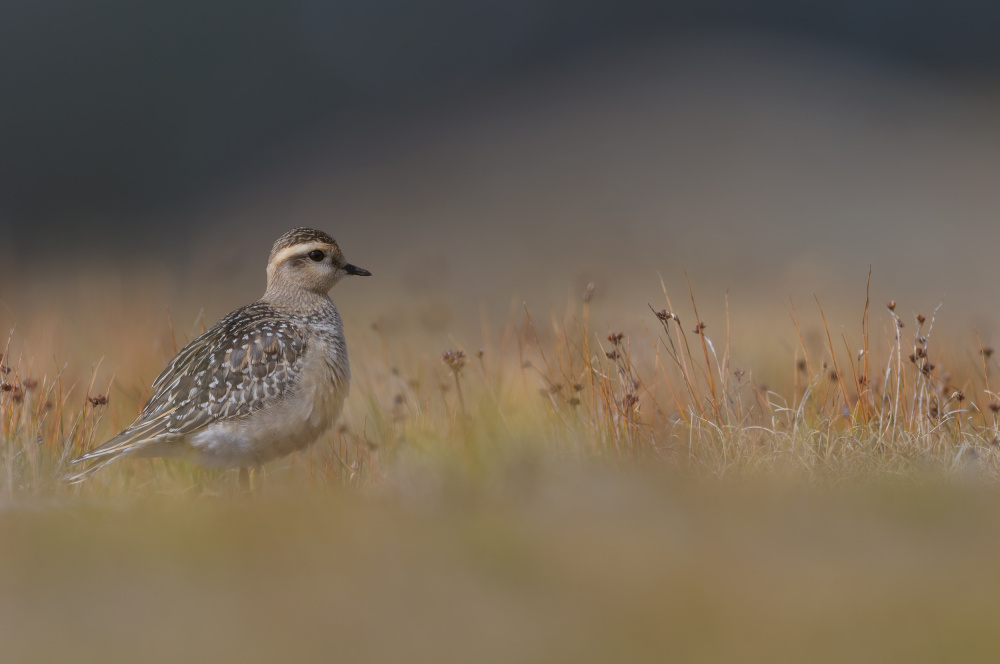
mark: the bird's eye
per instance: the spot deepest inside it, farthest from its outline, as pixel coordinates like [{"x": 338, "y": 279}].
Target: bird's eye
[{"x": 316, "y": 255}]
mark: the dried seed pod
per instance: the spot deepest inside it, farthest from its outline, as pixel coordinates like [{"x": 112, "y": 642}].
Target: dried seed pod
[{"x": 455, "y": 359}]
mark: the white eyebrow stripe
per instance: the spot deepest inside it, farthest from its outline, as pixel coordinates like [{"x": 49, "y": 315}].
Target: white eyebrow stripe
[{"x": 297, "y": 249}]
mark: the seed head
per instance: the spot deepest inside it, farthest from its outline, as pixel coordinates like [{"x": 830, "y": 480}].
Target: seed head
[
  {"x": 738, "y": 373},
  {"x": 891, "y": 305},
  {"x": 455, "y": 359},
  {"x": 630, "y": 402},
  {"x": 699, "y": 328},
  {"x": 921, "y": 319},
  {"x": 616, "y": 337},
  {"x": 99, "y": 400},
  {"x": 987, "y": 352}
]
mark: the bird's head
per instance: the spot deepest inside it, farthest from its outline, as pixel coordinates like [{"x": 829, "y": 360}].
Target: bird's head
[{"x": 308, "y": 259}]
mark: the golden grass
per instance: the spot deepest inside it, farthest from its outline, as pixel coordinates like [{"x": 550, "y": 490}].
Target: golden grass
[
  {"x": 886, "y": 398},
  {"x": 553, "y": 489}
]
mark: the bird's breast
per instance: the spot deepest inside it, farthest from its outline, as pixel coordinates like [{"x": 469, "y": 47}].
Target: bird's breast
[{"x": 296, "y": 421}]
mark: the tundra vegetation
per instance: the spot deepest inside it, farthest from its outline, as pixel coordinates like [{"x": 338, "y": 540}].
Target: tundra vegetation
[{"x": 555, "y": 488}]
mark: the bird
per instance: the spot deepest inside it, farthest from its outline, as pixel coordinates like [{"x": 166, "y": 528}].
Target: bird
[{"x": 268, "y": 379}]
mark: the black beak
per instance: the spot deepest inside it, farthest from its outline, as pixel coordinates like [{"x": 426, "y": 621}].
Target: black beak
[{"x": 354, "y": 269}]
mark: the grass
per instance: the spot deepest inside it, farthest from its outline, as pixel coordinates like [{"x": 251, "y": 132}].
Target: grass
[
  {"x": 890, "y": 400},
  {"x": 566, "y": 490}
]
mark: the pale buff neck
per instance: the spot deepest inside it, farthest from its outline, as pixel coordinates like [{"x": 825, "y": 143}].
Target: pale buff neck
[{"x": 296, "y": 299}]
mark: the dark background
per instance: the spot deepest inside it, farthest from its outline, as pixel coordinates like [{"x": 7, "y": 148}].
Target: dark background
[
  {"x": 115, "y": 110},
  {"x": 479, "y": 154}
]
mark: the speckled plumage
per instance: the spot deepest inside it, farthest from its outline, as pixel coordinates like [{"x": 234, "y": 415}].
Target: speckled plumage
[{"x": 267, "y": 379}]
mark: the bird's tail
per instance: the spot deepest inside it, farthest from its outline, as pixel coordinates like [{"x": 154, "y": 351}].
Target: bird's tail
[
  {"x": 79, "y": 474},
  {"x": 121, "y": 445}
]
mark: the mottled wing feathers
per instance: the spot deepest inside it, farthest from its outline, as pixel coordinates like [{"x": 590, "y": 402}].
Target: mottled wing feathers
[{"x": 250, "y": 359}]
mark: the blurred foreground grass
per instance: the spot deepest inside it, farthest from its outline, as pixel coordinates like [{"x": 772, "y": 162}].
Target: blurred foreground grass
[
  {"x": 557, "y": 490},
  {"x": 587, "y": 565}
]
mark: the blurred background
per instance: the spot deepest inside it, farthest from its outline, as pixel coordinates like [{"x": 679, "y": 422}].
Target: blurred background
[{"x": 477, "y": 156}]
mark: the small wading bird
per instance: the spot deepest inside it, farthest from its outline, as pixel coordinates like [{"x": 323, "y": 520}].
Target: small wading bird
[{"x": 270, "y": 378}]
